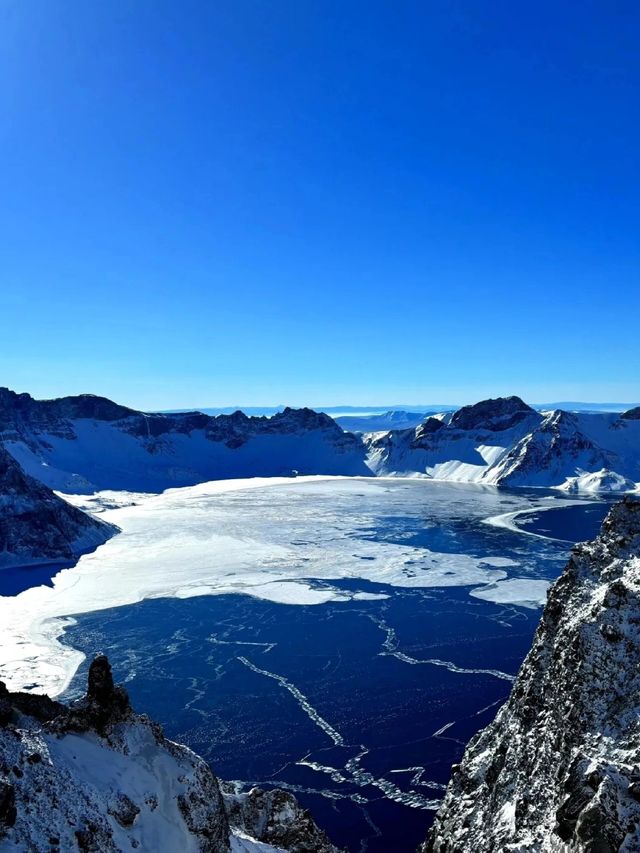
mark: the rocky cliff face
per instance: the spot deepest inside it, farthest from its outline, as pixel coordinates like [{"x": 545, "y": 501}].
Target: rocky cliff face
[
  {"x": 96, "y": 777},
  {"x": 559, "y": 768},
  {"x": 36, "y": 525}
]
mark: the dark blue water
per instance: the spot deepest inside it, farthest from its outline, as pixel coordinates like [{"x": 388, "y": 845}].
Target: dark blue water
[{"x": 337, "y": 702}]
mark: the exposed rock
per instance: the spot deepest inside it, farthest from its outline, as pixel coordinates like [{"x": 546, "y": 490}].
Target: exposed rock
[
  {"x": 551, "y": 453},
  {"x": 36, "y": 525},
  {"x": 494, "y": 415},
  {"x": 631, "y": 414},
  {"x": 96, "y": 777},
  {"x": 559, "y": 769},
  {"x": 276, "y": 818}
]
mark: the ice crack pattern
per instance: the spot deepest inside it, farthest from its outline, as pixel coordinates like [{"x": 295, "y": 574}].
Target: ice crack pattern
[
  {"x": 390, "y": 647},
  {"x": 352, "y": 772}
]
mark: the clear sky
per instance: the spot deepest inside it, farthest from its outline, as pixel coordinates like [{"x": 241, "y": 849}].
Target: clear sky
[{"x": 320, "y": 201}]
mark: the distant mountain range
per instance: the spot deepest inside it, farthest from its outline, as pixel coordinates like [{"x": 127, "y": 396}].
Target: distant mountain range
[
  {"x": 338, "y": 412},
  {"x": 85, "y": 444}
]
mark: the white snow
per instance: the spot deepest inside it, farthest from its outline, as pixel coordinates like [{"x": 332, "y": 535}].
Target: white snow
[
  {"x": 599, "y": 481},
  {"x": 87, "y": 775},
  {"x": 483, "y": 456}
]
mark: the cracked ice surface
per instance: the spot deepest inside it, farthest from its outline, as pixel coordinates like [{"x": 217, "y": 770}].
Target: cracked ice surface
[{"x": 282, "y": 540}]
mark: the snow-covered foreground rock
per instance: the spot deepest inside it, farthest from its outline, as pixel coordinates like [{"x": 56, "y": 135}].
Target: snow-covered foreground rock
[
  {"x": 559, "y": 768},
  {"x": 83, "y": 444},
  {"x": 96, "y": 777},
  {"x": 36, "y": 526}
]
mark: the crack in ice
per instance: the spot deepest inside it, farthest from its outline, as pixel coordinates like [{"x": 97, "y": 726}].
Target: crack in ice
[{"x": 302, "y": 700}]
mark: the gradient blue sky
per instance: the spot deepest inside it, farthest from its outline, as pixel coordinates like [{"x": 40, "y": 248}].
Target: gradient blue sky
[{"x": 209, "y": 203}]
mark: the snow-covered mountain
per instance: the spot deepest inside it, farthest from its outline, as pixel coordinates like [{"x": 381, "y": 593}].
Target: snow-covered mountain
[
  {"x": 505, "y": 442},
  {"x": 36, "y": 526},
  {"x": 393, "y": 419},
  {"x": 559, "y": 768},
  {"x": 86, "y": 443},
  {"x": 96, "y": 777}
]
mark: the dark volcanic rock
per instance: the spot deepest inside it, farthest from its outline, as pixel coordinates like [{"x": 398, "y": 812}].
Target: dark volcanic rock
[
  {"x": 559, "y": 768},
  {"x": 38, "y": 526},
  {"x": 493, "y": 415},
  {"x": 632, "y": 414}
]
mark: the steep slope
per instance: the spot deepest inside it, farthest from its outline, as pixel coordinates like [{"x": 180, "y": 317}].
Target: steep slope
[
  {"x": 505, "y": 442},
  {"x": 36, "y": 526},
  {"x": 98, "y": 778},
  {"x": 80, "y": 444},
  {"x": 559, "y": 768},
  {"x": 553, "y": 451},
  {"x": 462, "y": 448}
]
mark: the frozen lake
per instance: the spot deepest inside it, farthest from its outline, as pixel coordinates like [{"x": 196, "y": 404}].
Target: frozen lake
[{"x": 340, "y": 637}]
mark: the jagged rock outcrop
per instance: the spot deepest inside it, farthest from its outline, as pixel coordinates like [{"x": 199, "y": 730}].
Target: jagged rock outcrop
[
  {"x": 558, "y": 771},
  {"x": 36, "y": 525},
  {"x": 276, "y": 818},
  {"x": 552, "y": 452},
  {"x": 95, "y": 777}
]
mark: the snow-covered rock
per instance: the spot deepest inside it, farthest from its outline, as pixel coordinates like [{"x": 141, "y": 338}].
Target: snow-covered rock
[
  {"x": 79, "y": 445},
  {"x": 559, "y": 769},
  {"x": 96, "y": 777},
  {"x": 86, "y": 443},
  {"x": 36, "y": 526},
  {"x": 274, "y": 817},
  {"x": 505, "y": 442},
  {"x": 599, "y": 481}
]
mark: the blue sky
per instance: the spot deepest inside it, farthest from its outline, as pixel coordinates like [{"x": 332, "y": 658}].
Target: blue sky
[{"x": 320, "y": 202}]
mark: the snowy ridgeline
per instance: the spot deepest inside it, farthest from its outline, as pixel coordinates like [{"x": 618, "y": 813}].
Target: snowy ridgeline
[
  {"x": 86, "y": 443},
  {"x": 559, "y": 768},
  {"x": 96, "y": 776}
]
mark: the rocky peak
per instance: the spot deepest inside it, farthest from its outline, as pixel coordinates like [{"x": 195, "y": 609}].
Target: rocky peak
[
  {"x": 631, "y": 414},
  {"x": 493, "y": 415},
  {"x": 559, "y": 768},
  {"x": 304, "y": 418}
]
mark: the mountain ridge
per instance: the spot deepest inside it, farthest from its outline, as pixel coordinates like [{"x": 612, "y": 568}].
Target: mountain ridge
[{"x": 86, "y": 443}]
